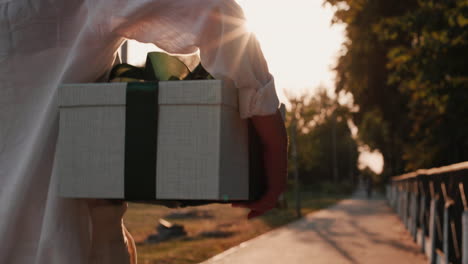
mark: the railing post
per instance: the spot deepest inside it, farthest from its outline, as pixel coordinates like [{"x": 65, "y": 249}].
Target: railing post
[
  {"x": 446, "y": 233},
  {"x": 397, "y": 202},
  {"x": 432, "y": 232},
  {"x": 401, "y": 202},
  {"x": 414, "y": 216},
  {"x": 422, "y": 211},
  {"x": 409, "y": 210},
  {"x": 465, "y": 237},
  {"x": 409, "y": 218},
  {"x": 405, "y": 208}
]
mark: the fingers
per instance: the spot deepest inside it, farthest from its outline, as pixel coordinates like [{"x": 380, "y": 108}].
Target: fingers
[
  {"x": 238, "y": 205},
  {"x": 268, "y": 201},
  {"x": 260, "y": 207},
  {"x": 254, "y": 214}
]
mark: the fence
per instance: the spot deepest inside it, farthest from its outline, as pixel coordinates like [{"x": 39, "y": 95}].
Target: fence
[{"x": 433, "y": 206}]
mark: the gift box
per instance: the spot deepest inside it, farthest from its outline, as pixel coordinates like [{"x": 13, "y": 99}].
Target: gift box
[{"x": 167, "y": 140}]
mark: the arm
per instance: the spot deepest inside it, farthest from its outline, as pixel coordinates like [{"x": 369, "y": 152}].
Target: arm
[{"x": 274, "y": 140}]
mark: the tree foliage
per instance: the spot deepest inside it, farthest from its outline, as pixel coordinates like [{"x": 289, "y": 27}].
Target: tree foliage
[
  {"x": 321, "y": 134},
  {"x": 404, "y": 63}
]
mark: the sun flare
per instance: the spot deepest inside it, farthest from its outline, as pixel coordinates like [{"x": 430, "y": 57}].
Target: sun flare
[{"x": 298, "y": 41}]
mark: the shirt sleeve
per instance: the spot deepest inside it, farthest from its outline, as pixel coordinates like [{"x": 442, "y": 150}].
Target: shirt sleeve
[{"x": 218, "y": 30}]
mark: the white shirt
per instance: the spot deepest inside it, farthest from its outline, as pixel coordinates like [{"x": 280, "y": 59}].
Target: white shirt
[{"x": 47, "y": 42}]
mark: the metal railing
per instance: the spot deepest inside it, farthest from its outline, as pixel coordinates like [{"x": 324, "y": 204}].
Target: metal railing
[{"x": 433, "y": 206}]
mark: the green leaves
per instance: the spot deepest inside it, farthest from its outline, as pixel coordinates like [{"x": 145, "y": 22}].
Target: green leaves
[
  {"x": 405, "y": 64},
  {"x": 462, "y": 20},
  {"x": 318, "y": 122}
]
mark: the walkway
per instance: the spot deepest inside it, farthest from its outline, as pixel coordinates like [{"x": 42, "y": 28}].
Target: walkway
[{"x": 355, "y": 230}]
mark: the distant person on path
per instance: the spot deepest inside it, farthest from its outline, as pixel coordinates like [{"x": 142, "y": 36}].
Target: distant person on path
[
  {"x": 369, "y": 187},
  {"x": 44, "y": 43}
]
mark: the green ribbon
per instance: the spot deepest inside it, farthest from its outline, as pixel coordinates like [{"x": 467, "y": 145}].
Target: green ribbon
[{"x": 141, "y": 130}]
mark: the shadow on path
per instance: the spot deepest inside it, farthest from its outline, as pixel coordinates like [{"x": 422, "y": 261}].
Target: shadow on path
[
  {"x": 357, "y": 218},
  {"x": 356, "y": 230}
]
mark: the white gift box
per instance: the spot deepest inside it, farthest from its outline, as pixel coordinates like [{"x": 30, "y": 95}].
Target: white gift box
[{"x": 202, "y": 144}]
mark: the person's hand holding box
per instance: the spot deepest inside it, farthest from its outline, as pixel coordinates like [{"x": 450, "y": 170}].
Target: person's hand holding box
[{"x": 274, "y": 140}]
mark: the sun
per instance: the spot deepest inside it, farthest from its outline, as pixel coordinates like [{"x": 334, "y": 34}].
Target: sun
[{"x": 298, "y": 41}]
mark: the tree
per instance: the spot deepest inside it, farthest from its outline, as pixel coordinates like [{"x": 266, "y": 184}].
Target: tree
[
  {"x": 431, "y": 69},
  {"x": 325, "y": 147},
  {"x": 403, "y": 62},
  {"x": 383, "y": 115}
]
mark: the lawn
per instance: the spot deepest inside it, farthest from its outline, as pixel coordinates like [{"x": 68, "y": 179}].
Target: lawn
[{"x": 213, "y": 228}]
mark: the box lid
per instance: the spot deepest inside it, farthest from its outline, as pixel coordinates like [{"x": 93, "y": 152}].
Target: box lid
[{"x": 197, "y": 92}]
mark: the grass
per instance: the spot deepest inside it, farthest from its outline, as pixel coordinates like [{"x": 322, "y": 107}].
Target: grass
[{"x": 141, "y": 220}]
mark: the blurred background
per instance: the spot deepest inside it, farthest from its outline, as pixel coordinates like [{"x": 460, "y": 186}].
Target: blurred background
[{"x": 372, "y": 89}]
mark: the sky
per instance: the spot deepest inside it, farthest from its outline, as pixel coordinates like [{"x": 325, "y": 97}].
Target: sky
[
  {"x": 300, "y": 45},
  {"x": 297, "y": 40}
]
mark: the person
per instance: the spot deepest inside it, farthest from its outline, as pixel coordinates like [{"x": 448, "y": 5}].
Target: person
[
  {"x": 44, "y": 43},
  {"x": 369, "y": 187}
]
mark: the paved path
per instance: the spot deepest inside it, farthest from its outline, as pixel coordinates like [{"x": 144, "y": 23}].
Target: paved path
[{"x": 355, "y": 230}]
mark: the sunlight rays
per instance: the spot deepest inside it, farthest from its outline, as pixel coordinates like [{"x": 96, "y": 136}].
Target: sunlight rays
[{"x": 234, "y": 38}]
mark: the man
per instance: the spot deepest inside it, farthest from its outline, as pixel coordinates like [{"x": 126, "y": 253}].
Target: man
[{"x": 44, "y": 43}]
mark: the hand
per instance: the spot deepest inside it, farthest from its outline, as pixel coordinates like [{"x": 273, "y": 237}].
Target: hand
[
  {"x": 108, "y": 244},
  {"x": 274, "y": 141},
  {"x": 106, "y": 218},
  {"x": 260, "y": 207}
]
